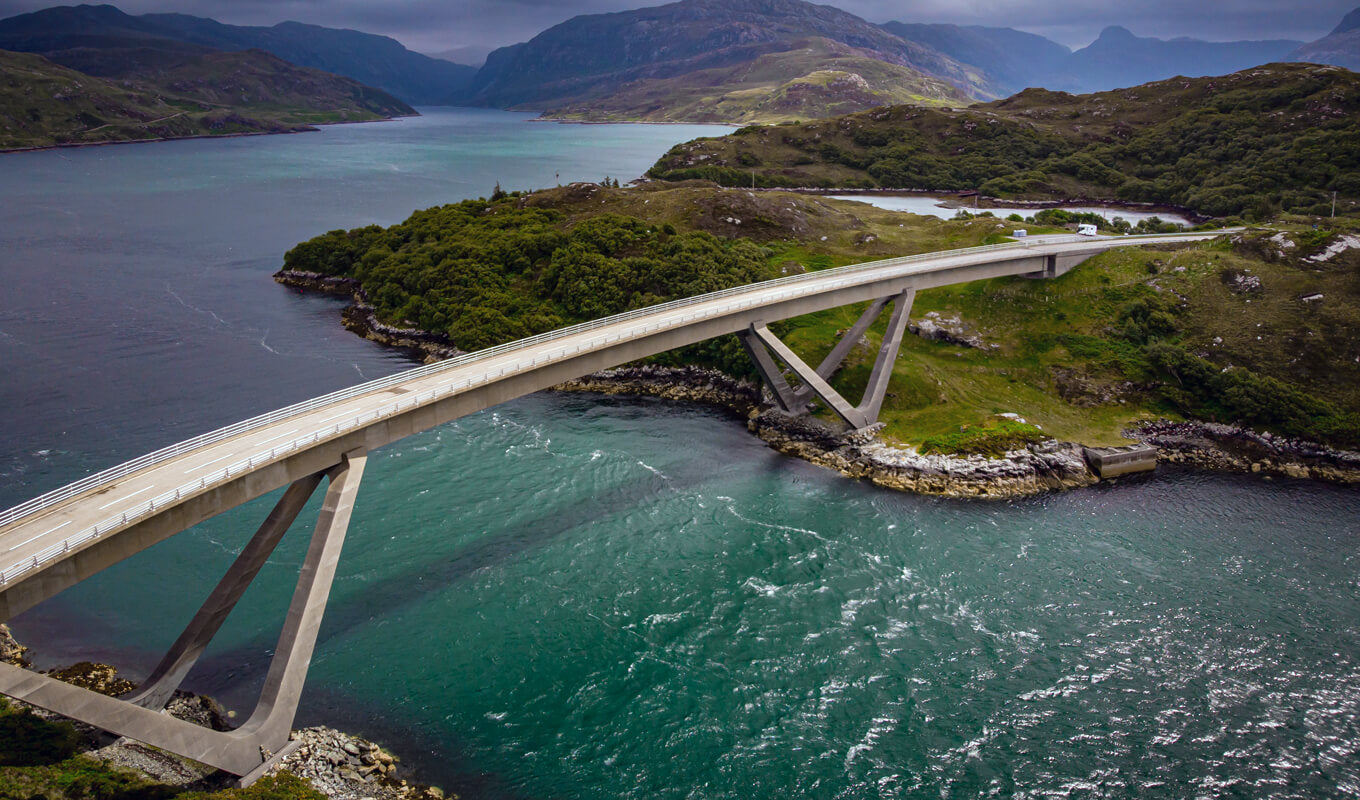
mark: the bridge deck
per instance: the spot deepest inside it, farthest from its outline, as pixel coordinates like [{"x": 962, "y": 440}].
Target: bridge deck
[{"x": 60, "y": 538}]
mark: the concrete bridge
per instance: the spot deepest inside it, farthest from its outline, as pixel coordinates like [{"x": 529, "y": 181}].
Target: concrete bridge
[{"x": 63, "y": 537}]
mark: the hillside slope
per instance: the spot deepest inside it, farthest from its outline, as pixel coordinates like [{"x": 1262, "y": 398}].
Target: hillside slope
[
  {"x": 821, "y": 78},
  {"x": 592, "y": 56},
  {"x": 44, "y": 104},
  {"x": 1280, "y": 137}
]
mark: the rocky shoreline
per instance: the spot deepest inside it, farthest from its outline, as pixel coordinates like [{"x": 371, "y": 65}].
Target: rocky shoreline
[
  {"x": 1033, "y": 470},
  {"x": 360, "y": 317},
  {"x": 1229, "y": 448},
  {"x": 1044, "y": 467}
]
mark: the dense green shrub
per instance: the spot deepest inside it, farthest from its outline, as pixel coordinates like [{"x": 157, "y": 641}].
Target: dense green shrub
[
  {"x": 27, "y": 740},
  {"x": 485, "y": 273},
  {"x": 1198, "y": 387}
]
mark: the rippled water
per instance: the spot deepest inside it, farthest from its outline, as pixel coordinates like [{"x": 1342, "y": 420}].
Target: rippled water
[{"x": 582, "y": 597}]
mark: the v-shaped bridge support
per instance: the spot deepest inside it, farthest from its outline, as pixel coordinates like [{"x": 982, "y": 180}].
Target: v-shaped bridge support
[
  {"x": 764, "y": 347},
  {"x": 263, "y": 739}
]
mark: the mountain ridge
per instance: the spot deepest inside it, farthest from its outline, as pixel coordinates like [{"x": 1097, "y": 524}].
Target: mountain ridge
[
  {"x": 590, "y": 55},
  {"x": 95, "y": 38}
]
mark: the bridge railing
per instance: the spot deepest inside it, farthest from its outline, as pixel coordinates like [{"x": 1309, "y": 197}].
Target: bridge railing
[{"x": 126, "y": 468}]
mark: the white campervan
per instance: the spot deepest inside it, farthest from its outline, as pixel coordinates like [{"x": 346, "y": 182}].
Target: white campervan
[{"x": 1086, "y": 229}]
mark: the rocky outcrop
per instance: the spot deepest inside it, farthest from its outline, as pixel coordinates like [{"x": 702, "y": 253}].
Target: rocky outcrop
[
  {"x": 950, "y": 330},
  {"x": 101, "y": 678},
  {"x": 1040, "y": 468},
  {"x": 361, "y": 318},
  {"x": 11, "y": 652},
  {"x": 1036, "y": 469},
  {"x": 346, "y": 767},
  {"x": 685, "y": 384},
  {"x": 1210, "y": 445}
]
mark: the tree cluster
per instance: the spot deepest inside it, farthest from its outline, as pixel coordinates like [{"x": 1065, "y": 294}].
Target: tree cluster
[{"x": 484, "y": 273}]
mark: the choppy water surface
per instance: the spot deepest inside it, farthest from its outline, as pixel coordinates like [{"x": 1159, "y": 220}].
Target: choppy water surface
[{"x": 582, "y": 597}]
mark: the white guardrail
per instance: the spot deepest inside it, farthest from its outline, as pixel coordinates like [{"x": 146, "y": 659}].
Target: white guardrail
[{"x": 808, "y": 283}]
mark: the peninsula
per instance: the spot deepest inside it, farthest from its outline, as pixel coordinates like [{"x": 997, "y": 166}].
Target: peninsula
[{"x": 1127, "y": 339}]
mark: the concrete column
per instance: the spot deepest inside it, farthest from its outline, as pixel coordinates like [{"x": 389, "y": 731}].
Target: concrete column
[
  {"x": 877, "y": 389},
  {"x": 273, "y": 716},
  {"x": 810, "y": 377},
  {"x": 156, "y": 690},
  {"x": 833, "y": 360},
  {"x": 769, "y": 371}
]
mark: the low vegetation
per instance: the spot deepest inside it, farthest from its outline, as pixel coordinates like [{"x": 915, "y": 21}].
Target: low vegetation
[
  {"x": 1284, "y": 137},
  {"x": 1259, "y": 329}
]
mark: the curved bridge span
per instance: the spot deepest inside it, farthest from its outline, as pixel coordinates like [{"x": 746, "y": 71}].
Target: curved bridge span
[{"x": 60, "y": 538}]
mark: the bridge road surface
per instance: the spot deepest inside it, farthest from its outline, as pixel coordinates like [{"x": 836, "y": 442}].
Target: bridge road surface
[{"x": 37, "y": 542}]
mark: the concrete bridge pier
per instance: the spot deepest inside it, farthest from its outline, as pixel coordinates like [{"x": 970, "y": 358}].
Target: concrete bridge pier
[
  {"x": 764, "y": 348},
  {"x": 1057, "y": 265},
  {"x": 263, "y": 740}
]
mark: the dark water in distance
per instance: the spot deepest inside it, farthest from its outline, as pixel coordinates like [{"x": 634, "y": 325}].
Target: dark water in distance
[{"x": 577, "y": 597}]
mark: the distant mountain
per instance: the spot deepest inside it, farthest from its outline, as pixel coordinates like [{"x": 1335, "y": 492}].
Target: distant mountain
[
  {"x": 821, "y": 78},
  {"x": 591, "y": 56},
  {"x": 102, "y": 40},
  {"x": 44, "y": 104},
  {"x": 1341, "y": 47},
  {"x": 1013, "y": 60},
  {"x": 1119, "y": 59}
]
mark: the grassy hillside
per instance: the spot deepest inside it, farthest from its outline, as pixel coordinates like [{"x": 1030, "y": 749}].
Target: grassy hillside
[
  {"x": 43, "y": 104},
  {"x": 1233, "y": 330},
  {"x": 819, "y": 78},
  {"x": 1280, "y": 137}
]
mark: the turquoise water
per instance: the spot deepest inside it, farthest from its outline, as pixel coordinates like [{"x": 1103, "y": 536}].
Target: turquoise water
[{"x": 582, "y": 597}]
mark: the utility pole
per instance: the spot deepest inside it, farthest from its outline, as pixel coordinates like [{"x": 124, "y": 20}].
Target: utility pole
[
  {"x": 1333, "y": 204},
  {"x": 753, "y": 183}
]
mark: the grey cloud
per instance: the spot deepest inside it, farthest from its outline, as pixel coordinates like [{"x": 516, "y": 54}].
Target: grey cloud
[{"x": 441, "y": 25}]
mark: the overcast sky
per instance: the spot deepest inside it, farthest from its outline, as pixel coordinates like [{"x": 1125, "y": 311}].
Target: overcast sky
[{"x": 435, "y": 26}]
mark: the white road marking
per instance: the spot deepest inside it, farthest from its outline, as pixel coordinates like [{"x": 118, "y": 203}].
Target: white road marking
[
  {"x": 209, "y": 464},
  {"x": 39, "y": 536},
  {"x": 272, "y": 438},
  {"x": 126, "y": 496}
]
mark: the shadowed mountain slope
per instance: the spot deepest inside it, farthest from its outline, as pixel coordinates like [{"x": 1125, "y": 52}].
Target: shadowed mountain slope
[
  {"x": 821, "y": 78},
  {"x": 102, "y": 40},
  {"x": 591, "y": 56}
]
